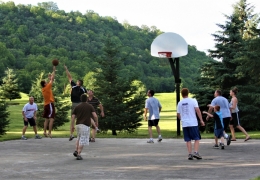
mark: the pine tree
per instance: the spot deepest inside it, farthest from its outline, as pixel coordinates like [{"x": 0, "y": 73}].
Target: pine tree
[
  {"x": 120, "y": 95},
  {"x": 4, "y": 114},
  {"x": 231, "y": 46},
  {"x": 9, "y": 89}
]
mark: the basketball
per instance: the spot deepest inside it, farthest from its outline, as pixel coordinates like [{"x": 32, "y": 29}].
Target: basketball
[{"x": 55, "y": 62}]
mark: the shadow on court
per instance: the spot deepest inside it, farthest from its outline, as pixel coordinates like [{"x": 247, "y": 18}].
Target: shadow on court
[{"x": 127, "y": 159}]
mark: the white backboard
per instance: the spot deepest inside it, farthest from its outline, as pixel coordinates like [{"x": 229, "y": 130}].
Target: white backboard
[{"x": 169, "y": 42}]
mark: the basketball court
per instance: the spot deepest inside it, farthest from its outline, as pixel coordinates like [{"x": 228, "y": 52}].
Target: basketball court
[{"x": 127, "y": 159}]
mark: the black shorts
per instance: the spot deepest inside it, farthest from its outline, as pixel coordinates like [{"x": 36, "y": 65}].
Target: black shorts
[
  {"x": 31, "y": 121},
  {"x": 235, "y": 119},
  {"x": 226, "y": 122},
  {"x": 153, "y": 122}
]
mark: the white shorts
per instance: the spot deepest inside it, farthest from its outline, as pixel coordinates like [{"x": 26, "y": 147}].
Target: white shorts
[{"x": 83, "y": 133}]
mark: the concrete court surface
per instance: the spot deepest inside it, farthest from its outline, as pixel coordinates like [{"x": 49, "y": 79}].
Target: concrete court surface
[{"x": 127, "y": 159}]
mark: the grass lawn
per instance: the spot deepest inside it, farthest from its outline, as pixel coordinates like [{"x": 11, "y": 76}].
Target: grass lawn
[{"x": 167, "y": 123}]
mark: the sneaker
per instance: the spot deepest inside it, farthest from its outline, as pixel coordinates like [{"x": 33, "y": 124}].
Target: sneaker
[
  {"x": 215, "y": 146},
  {"x": 38, "y": 137},
  {"x": 222, "y": 145},
  {"x": 190, "y": 157},
  {"x": 150, "y": 141},
  {"x": 71, "y": 137},
  {"x": 79, "y": 157},
  {"x": 229, "y": 140},
  {"x": 92, "y": 140},
  {"x": 97, "y": 130},
  {"x": 75, "y": 153},
  {"x": 159, "y": 139},
  {"x": 24, "y": 138},
  {"x": 197, "y": 155}
]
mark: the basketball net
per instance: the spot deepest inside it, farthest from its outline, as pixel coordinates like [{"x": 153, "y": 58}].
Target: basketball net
[{"x": 165, "y": 54}]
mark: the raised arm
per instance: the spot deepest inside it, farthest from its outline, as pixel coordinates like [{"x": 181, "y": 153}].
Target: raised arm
[
  {"x": 53, "y": 74},
  {"x": 68, "y": 73}
]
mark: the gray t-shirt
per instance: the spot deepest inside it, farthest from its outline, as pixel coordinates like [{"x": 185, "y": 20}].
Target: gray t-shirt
[
  {"x": 153, "y": 105},
  {"x": 224, "y": 105}
]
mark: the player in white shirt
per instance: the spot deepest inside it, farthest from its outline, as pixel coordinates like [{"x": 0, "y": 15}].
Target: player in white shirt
[
  {"x": 29, "y": 116},
  {"x": 186, "y": 112},
  {"x": 154, "y": 107}
]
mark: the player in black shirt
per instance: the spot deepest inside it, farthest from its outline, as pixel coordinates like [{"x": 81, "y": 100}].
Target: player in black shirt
[{"x": 77, "y": 90}]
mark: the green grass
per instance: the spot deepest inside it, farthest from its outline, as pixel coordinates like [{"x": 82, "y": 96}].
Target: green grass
[{"x": 167, "y": 123}]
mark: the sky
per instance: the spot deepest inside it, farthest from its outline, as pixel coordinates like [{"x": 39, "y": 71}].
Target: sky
[{"x": 194, "y": 20}]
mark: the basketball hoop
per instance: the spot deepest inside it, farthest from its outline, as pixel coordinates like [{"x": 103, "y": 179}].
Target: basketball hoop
[{"x": 165, "y": 54}]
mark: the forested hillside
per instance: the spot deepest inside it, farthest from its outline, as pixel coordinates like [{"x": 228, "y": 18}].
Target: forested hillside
[{"x": 31, "y": 36}]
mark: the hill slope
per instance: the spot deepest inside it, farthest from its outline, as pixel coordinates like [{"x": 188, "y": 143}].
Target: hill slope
[{"x": 31, "y": 36}]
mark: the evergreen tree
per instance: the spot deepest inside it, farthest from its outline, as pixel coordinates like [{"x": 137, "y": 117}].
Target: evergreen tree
[
  {"x": 9, "y": 89},
  {"x": 231, "y": 46},
  {"x": 121, "y": 97},
  {"x": 4, "y": 114}
]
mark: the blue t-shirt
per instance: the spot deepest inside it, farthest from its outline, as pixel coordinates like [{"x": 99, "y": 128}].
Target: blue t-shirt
[
  {"x": 224, "y": 105},
  {"x": 218, "y": 120},
  {"x": 153, "y": 105}
]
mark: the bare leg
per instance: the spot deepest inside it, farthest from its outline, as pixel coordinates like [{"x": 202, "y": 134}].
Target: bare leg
[
  {"x": 150, "y": 131},
  {"x": 46, "y": 122},
  {"x": 71, "y": 131},
  {"x": 222, "y": 140},
  {"x": 243, "y": 131},
  {"x": 93, "y": 133},
  {"x": 50, "y": 126},
  {"x": 216, "y": 140},
  {"x": 189, "y": 148},
  {"x": 24, "y": 130},
  {"x": 158, "y": 130},
  {"x": 78, "y": 147},
  {"x": 35, "y": 130},
  {"x": 231, "y": 127},
  {"x": 196, "y": 145}
]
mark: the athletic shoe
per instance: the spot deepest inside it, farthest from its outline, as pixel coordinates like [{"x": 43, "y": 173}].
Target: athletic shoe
[
  {"x": 222, "y": 145},
  {"x": 97, "y": 130},
  {"x": 71, "y": 137},
  {"x": 190, "y": 157},
  {"x": 215, "y": 146},
  {"x": 197, "y": 155},
  {"x": 150, "y": 141},
  {"x": 159, "y": 139},
  {"x": 24, "y": 138},
  {"x": 37, "y": 137},
  {"x": 79, "y": 157},
  {"x": 229, "y": 139},
  {"x": 75, "y": 153}
]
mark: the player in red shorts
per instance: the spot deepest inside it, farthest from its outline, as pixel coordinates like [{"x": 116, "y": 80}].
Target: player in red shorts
[{"x": 49, "y": 109}]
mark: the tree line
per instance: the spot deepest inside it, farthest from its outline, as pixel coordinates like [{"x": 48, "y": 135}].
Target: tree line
[
  {"x": 31, "y": 36},
  {"x": 237, "y": 51}
]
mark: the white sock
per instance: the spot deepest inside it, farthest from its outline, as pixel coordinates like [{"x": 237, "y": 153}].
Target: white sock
[{"x": 226, "y": 135}]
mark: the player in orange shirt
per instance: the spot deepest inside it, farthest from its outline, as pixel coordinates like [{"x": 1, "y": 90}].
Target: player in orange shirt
[{"x": 49, "y": 109}]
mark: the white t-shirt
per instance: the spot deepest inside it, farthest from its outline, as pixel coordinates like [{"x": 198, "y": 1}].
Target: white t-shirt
[
  {"x": 153, "y": 105},
  {"x": 29, "y": 110},
  {"x": 186, "y": 108}
]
